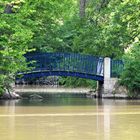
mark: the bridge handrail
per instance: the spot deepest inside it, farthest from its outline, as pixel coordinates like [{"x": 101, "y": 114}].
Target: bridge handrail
[
  {"x": 117, "y": 67},
  {"x": 65, "y": 62}
]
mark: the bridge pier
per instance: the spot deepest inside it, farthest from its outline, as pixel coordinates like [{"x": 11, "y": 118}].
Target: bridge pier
[
  {"x": 100, "y": 88},
  {"x": 109, "y": 82},
  {"x": 107, "y": 86}
]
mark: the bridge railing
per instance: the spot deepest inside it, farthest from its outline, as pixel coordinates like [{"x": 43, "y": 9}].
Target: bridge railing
[
  {"x": 70, "y": 62},
  {"x": 117, "y": 67}
]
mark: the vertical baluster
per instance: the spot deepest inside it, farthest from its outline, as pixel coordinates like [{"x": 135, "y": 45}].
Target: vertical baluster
[
  {"x": 73, "y": 61},
  {"x": 95, "y": 65},
  {"x": 68, "y": 62},
  {"x": 63, "y": 62},
  {"x": 53, "y": 61},
  {"x": 76, "y": 63},
  {"x": 91, "y": 65},
  {"x": 85, "y": 70},
  {"x": 83, "y": 59},
  {"x": 81, "y": 64},
  {"x": 56, "y": 62},
  {"x": 87, "y": 64},
  {"x": 59, "y": 62}
]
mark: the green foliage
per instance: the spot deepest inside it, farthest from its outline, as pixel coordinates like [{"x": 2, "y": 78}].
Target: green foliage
[
  {"x": 77, "y": 82},
  {"x": 50, "y": 16},
  {"x": 26, "y": 26},
  {"x": 131, "y": 75},
  {"x": 108, "y": 28},
  {"x": 15, "y": 35}
]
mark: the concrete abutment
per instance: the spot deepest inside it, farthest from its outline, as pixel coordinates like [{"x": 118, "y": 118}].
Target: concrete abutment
[{"x": 107, "y": 86}]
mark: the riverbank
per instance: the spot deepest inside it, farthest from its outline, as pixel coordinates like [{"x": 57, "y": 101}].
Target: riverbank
[
  {"x": 47, "y": 89},
  {"x": 36, "y": 91},
  {"x": 42, "y": 92}
]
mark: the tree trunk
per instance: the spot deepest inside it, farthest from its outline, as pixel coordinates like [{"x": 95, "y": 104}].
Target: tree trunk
[
  {"x": 8, "y": 9},
  {"x": 82, "y": 8}
]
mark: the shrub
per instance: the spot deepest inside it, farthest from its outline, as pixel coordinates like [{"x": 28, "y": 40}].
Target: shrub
[{"x": 131, "y": 75}]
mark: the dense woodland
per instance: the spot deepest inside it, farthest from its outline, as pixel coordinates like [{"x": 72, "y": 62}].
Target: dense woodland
[{"x": 98, "y": 27}]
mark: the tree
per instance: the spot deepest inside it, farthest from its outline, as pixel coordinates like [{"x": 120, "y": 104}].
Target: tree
[
  {"x": 104, "y": 28},
  {"x": 15, "y": 35},
  {"x": 131, "y": 75},
  {"x": 50, "y": 16},
  {"x": 109, "y": 27},
  {"x": 26, "y": 26},
  {"x": 82, "y": 8}
]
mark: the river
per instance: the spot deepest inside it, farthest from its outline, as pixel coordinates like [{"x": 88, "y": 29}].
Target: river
[{"x": 70, "y": 119}]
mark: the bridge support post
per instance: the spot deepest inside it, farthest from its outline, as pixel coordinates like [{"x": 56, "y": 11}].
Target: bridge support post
[
  {"x": 99, "y": 89},
  {"x": 109, "y": 82}
]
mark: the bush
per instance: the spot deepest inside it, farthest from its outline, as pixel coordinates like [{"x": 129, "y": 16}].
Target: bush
[
  {"x": 131, "y": 75},
  {"x": 77, "y": 82}
]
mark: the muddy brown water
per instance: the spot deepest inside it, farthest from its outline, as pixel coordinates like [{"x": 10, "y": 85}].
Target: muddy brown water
[{"x": 70, "y": 119}]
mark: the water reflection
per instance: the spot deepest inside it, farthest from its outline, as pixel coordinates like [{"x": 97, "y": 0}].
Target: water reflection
[{"x": 71, "y": 119}]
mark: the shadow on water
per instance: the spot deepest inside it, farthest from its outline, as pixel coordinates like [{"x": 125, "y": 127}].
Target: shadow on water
[
  {"x": 68, "y": 100},
  {"x": 56, "y": 101}
]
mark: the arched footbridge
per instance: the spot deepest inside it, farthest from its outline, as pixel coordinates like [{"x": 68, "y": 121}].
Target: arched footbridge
[{"x": 69, "y": 64}]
